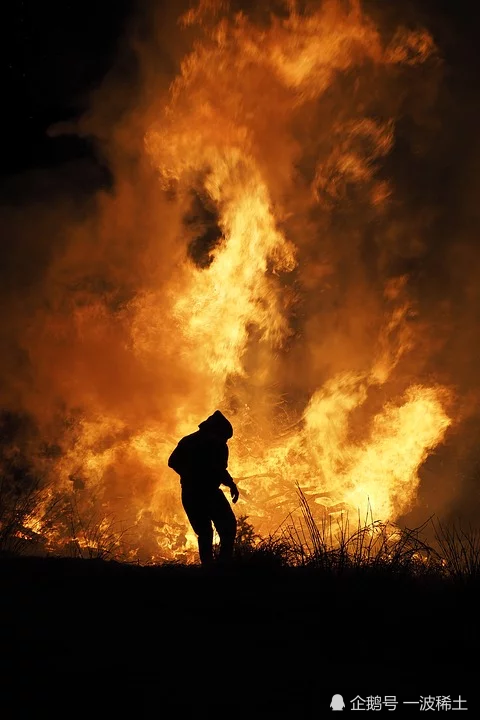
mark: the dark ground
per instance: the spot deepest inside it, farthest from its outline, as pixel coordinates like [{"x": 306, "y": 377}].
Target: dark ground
[{"x": 279, "y": 641}]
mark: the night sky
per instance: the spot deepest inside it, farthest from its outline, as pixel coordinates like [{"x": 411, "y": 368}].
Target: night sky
[{"x": 55, "y": 54}]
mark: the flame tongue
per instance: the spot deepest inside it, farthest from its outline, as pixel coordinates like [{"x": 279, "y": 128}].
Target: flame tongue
[{"x": 252, "y": 318}]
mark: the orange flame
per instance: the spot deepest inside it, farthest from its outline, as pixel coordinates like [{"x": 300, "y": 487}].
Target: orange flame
[{"x": 227, "y": 323}]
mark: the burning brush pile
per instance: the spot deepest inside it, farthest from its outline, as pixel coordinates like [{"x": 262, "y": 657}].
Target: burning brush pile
[{"x": 250, "y": 256}]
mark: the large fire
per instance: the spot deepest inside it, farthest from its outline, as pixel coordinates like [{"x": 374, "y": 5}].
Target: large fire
[{"x": 266, "y": 156}]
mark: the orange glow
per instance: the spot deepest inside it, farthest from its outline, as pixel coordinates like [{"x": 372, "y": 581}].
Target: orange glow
[{"x": 223, "y": 333}]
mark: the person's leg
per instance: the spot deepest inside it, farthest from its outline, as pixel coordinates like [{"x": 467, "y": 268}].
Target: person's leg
[
  {"x": 199, "y": 518},
  {"x": 225, "y": 523}
]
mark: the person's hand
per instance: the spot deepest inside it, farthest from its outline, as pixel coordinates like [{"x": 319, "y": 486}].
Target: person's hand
[{"x": 234, "y": 493}]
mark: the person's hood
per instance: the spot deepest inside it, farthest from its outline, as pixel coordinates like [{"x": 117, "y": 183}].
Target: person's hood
[{"x": 218, "y": 424}]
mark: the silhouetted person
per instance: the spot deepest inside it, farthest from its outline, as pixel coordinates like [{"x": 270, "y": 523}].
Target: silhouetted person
[{"x": 201, "y": 460}]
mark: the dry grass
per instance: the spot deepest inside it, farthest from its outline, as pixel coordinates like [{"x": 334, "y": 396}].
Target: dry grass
[
  {"x": 458, "y": 550},
  {"x": 334, "y": 545},
  {"x": 93, "y": 535},
  {"x": 337, "y": 545}
]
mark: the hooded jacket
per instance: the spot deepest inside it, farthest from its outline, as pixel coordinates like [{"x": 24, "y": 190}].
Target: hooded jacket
[{"x": 201, "y": 459}]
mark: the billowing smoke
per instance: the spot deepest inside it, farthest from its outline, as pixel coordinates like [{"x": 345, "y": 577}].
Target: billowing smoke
[{"x": 270, "y": 242}]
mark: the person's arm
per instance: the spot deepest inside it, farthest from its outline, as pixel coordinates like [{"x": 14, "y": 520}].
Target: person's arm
[
  {"x": 176, "y": 461},
  {"x": 228, "y": 480}
]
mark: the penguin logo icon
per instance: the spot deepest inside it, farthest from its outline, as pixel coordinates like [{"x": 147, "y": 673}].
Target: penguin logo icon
[{"x": 337, "y": 703}]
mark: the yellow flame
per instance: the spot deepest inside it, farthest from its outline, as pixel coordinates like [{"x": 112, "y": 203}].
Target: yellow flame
[{"x": 224, "y": 324}]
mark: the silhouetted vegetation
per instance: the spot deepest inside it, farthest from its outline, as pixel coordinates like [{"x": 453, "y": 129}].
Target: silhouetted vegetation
[
  {"x": 333, "y": 546},
  {"x": 336, "y": 546},
  {"x": 373, "y": 608}
]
